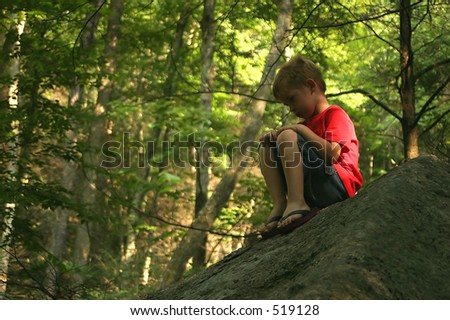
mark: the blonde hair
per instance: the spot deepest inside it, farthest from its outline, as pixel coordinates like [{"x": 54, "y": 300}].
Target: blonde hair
[{"x": 295, "y": 73}]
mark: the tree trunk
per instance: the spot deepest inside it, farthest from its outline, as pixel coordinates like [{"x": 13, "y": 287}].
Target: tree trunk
[
  {"x": 92, "y": 243},
  {"x": 87, "y": 39},
  {"x": 11, "y": 71},
  {"x": 140, "y": 262},
  {"x": 99, "y": 129},
  {"x": 253, "y": 121},
  {"x": 177, "y": 44},
  {"x": 407, "y": 94},
  {"x": 9, "y": 44},
  {"x": 208, "y": 26},
  {"x": 71, "y": 175},
  {"x": 58, "y": 241}
]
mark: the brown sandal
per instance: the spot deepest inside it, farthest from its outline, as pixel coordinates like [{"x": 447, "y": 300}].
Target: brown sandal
[
  {"x": 306, "y": 216},
  {"x": 273, "y": 231}
]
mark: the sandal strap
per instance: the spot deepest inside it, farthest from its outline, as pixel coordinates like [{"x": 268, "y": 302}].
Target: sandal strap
[
  {"x": 304, "y": 213},
  {"x": 274, "y": 219}
]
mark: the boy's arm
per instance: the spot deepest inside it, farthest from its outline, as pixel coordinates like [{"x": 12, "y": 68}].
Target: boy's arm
[{"x": 327, "y": 150}]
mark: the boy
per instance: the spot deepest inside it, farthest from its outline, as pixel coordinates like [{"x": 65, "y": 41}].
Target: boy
[{"x": 312, "y": 164}]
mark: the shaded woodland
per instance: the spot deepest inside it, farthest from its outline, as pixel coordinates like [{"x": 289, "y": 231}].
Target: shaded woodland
[{"x": 128, "y": 128}]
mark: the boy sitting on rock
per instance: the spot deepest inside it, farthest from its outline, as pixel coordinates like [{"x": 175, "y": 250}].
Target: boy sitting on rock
[{"x": 311, "y": 164}]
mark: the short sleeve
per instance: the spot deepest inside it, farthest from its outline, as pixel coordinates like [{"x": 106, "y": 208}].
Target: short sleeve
[{"x": 339, "y": 127}]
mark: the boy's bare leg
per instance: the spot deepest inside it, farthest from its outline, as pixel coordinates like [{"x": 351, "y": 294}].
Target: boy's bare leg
[
  {"x": 275, "y": 183},
  {"x": 292, "y": 162}
]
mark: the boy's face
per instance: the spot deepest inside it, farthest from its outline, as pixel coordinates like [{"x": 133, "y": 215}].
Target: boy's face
[{"x": 301, "y": 101}]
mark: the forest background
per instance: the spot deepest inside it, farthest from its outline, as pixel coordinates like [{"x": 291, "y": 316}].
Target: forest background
[{"x": 128, "y": 128}]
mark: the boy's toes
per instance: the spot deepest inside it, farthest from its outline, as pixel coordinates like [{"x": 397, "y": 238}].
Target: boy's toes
[
  {"x": 271, "y": 225},
  {"x": 284, "y": 222},
  {"x": 273, "y": 221}
]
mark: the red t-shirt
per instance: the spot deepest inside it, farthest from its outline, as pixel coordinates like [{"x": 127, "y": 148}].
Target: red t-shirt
[{"x": 334, "y": 125}]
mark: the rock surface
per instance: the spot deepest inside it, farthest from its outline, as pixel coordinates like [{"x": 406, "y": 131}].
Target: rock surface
[{"x": 391, "y": 241}]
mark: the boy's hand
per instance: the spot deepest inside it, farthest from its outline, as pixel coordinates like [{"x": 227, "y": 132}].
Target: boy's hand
[
  {"x": 327, "y": 150},
  {"x": 268, "y": 138},
  {"x": 293, "y": 127}
]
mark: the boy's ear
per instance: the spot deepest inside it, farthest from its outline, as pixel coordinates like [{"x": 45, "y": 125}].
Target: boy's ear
[{"x": 312, "y": 85}]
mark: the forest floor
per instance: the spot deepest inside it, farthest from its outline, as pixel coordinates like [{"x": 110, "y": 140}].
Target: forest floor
[{"x": 391, "y": 241}]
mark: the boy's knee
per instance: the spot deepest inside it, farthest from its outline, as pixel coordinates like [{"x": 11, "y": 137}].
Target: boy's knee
[{"x": 288, "y": 135}]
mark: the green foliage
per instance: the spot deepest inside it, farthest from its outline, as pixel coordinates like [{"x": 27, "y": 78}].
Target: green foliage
[
  {"x": 155, "y": 98},
  {"x": 166, "y": 181}
]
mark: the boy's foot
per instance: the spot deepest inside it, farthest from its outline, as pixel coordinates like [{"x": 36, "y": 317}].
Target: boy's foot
[
  {"x": 295, "y": 219},
  {"x": 271, "y": 227},
  {"x": 293, "y": 212}
]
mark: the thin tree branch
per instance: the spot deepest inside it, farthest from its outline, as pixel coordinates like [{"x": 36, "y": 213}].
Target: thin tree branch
[
  {"x": 194, "y": 93},
  {"x": 430, "y": 42},
  {"x": 66, "y": 12},
  {"x": 379, "y": 37},
  {"x": 435, "y": 122},
  {"x": 371, "y": 97},
  {"x": 82, "y": 29},
  {"x": 172, "y": 25},
  {"x": 39, "y": 284},
  {"x": 192, "y": 227},
  {"x": 430, "y": 68},
  {"x": 254, "y": 95},
  {"x": 123, "y": 202},
  {"x": 370, "y": 28},
  {"x": 345, "y": 23},
  {"x": 389, "y": 136},
  {"x": 303, "y": 25},
  {"x": 288, "y": 43},
  {"x": 225, "y": 15},
  {"x": 251, "y": 96},
  {"x": 423, "y": 17},
  {"x": 425, "y": 107}
]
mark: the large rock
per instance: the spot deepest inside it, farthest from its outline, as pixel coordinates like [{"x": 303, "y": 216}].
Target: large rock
[{"x": 391, "y": 241}]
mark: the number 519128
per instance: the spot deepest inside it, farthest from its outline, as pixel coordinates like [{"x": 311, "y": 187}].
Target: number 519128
[{"x": 305, "y": 310}]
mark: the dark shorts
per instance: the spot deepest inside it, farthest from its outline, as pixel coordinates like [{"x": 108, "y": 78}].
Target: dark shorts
[{"x": 322, "y": 184}]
